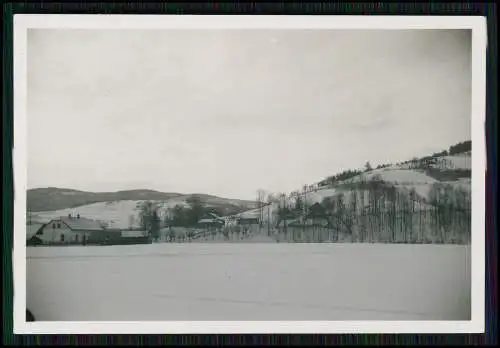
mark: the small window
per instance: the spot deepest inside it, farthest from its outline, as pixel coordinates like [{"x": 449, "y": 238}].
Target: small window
[
  {"x": 53, "y": 225},
  {"x": 62, "y": 237},
  {"x": 77, "y": 238},
  {"x": 58, "y": 225}
]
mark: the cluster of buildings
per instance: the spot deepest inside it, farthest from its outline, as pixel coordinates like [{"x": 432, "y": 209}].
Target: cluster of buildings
[{"x": 78, "y": 230}]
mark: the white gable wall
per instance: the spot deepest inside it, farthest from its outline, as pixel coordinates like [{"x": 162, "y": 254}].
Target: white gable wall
[{"x": 53, "y": 231}]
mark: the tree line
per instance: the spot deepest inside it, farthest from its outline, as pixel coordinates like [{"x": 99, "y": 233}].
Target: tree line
[
  {"x": 180, "y": 215},
  {"x": 422, "y": 163},
  {"x": 376, "y": 211}
]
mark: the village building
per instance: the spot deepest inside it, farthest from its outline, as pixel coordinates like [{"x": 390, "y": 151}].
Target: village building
[
  {"x": 67, "y": 230},
  {"x": 211, "y": 221},
  {"x": 209, "y": 224},
  {"x": 315, "y": 225},
  {"x": 317, "y": 216},
  {"x": 248, "y": 224},
  {"x": 120, "y": 237}
]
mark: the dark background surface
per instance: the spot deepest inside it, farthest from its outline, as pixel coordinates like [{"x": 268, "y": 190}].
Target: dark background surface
[{"x": 312, "y": 8}]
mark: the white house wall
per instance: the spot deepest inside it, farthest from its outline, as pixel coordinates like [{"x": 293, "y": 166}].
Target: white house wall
[{"x": 53, "y": 235}]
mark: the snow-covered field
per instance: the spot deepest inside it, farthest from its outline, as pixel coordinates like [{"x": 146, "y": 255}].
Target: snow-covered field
[{"x": 202, "y": 281}]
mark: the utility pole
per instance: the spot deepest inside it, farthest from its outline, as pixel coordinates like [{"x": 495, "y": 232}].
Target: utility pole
[
  {"x": 304, "y": 211},
  {"x": 261, "y": 210},
  {"x": 260, "y": 200},
  {"x": 268, "y": 218}
]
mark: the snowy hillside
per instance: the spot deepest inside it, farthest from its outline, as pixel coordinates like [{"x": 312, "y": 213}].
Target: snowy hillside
[
  {"x": 120, "y": 214},
  {"x": 402, "y": 179},
  {"x": 115, "y": 213},
  {"x": 404, "y": 202},
  {"x": 405, "y": 176}
]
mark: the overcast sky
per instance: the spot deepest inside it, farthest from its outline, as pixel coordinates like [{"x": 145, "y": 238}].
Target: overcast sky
[{"x": 226, "y": 112}]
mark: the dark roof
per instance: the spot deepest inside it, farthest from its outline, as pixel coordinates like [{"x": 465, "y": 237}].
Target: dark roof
[
  {"x": 253, "y": 218},
  {"x": 114, "y": 229},
  {"x": 286, "y": 214},
  {"x": 316, "y": 210},
  {"x": 248, "y": 220},
  {"x": 323, "y": 222},
  {"x": 81, "y": 223},
  {"x": 292, "y": 217}
]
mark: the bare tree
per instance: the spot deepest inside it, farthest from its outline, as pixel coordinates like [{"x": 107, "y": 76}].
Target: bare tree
[
  {"x": 261, "y": 195},
  {"x": 149, "y": 220},
  {"x": 131, "y": 221},
  {"x": 368, "y": 166},
  {"x": 270, "y": 199}
]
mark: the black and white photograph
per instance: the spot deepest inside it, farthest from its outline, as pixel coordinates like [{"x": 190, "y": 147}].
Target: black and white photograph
[{"x": 250, "y": 174}]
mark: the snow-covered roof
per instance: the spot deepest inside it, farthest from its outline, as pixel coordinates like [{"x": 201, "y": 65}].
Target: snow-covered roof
[
  {"x": 81, "y": 223},
  {"x": 133, "y": 233},
  {"x": 215, "y": 216},
  {"x": 210, "y": 221}
]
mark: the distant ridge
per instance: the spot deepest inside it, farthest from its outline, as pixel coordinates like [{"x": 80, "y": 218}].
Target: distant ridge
[{"x": 54, "y": 198}]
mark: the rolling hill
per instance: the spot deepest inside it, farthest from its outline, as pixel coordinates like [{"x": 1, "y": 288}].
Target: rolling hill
[
  {"x": 116, "y": 208},
  {"x": 53, "y": 198},
  {"x": 422, "y": 175}
]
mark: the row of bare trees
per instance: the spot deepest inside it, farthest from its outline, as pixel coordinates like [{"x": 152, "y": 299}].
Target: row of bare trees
[
  {"x": 372, "y": 211},
  {"x": 379, "y": 212}
]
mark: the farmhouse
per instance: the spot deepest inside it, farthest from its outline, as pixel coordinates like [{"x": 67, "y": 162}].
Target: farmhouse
[
  {"x": 211, "y": 221},
  {"x": 248, "y": 224},
  {"x": 79, "y": 230},
  {"x": 315, "y": 225},
  {"x": 317, "y": 216},
  {"x": 68, "y": 230}
]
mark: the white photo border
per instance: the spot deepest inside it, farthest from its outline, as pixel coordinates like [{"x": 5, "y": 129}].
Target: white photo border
[{"x": 23, "y": 22}]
